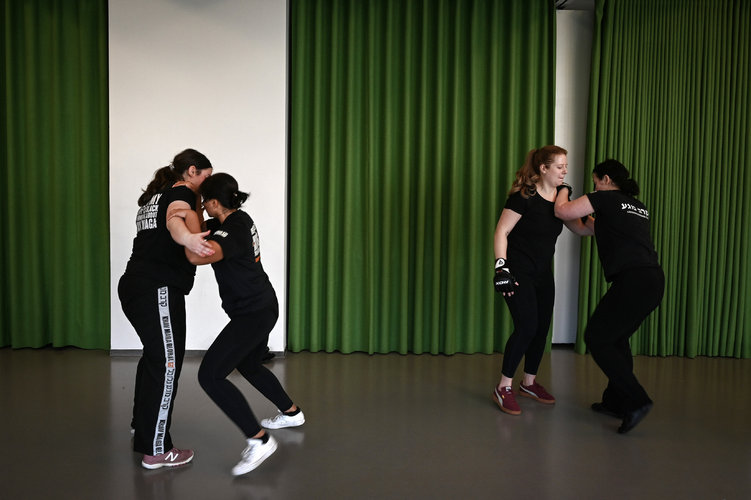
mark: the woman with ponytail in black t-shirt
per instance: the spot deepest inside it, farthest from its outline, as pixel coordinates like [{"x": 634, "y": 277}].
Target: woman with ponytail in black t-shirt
[
  {"x": 152, "y": 294},
  {"x": 251, "y": 304},
  {"x": 524, "y": 245},
  {"x": 637, "y": 284}
]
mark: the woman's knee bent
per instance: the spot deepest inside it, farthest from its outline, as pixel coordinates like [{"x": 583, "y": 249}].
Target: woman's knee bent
[{"x": 208, "y": 379}]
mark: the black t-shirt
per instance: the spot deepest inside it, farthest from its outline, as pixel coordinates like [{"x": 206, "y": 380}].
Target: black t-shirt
[
  {"x": 156, "y": 257},
  {"x": 243, "y": 284},
  {"x": 622, "y": 232},
  {"x": 531, "y": 243}
]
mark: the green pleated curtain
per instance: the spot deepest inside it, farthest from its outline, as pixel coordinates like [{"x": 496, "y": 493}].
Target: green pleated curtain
[
  {"x": 670, "y": 98},
  {"x": 408, "y": 120},
  {"x": 54, "y": 288}
]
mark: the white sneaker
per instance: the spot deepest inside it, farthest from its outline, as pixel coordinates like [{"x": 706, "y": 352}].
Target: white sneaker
[
  {"x": 253, "y": 455},
  {"x": 281, "y": 421}
]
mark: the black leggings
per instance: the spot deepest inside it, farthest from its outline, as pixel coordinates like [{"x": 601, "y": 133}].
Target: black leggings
[
  {"x": 632, "y": 296},
  {"x": 242, "y": 345},
  {"x": 531, "y": 309}
]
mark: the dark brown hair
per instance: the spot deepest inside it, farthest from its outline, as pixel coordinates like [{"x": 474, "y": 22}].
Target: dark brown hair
[
  {"x": 618, "y": 173},
  {"x": 223, "y": 188},
  {"x": 165, "y": 177}
]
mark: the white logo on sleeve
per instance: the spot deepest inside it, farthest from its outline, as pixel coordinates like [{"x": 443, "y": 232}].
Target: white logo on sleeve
[
  {"x": 631, "y": 209},
  {"x": 256, "y": 243},
  {"x": 221, "y": 234}
]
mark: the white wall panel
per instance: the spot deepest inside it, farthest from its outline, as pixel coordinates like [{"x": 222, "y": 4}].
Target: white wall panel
[
  {"x": 211, "y": 76},
  {"x": 573, "y": 60}
]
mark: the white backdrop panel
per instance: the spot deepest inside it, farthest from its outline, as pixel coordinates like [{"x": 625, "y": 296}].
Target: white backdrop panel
[
  {"x": 211, "y": 76},
  {"x": 573, "y": 59}
]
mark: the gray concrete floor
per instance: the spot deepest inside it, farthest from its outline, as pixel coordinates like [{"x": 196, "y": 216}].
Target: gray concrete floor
[{"x": 381, "y": 427}]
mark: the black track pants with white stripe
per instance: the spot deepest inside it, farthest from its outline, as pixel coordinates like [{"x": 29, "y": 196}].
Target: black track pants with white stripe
[{"x": 158, "y": 316}]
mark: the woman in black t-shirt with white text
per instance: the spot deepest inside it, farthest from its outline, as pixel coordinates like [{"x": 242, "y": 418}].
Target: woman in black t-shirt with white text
[
  {"x": 524, "y": 245},
  {"x": 251, "y": 304},
  {"x": 152, "y": 294},
  {"x": 637, "y": 284}
]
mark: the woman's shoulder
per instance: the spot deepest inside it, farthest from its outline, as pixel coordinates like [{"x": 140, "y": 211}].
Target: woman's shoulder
[
  {"x": 239, "y": 217},
  {"x": 611, "y": 198},
  {"x": 240, "y": 214},
  {"x": 614, "y": 194},
  {"x": 175, "y": 193},
  {"x": 516, "y": 200},
  {"x": 181, "y": 189}
]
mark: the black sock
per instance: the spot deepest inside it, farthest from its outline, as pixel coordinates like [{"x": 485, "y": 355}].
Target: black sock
[
  {"x": 264, "y": 438},
  {"x": 292, "y": 413}
]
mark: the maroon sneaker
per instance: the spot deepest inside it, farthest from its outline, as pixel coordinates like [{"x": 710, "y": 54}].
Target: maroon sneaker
[
  {"x": 537, "y": 392},
  {"x": 506, "y": 400},
  {"x": 172, "y": 458}
]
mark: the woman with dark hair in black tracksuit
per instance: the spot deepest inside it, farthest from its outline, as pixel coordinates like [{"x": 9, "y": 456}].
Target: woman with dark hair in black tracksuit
[
  {"x": 637, "y": 284},
  {"x": 152, "y": 294}
]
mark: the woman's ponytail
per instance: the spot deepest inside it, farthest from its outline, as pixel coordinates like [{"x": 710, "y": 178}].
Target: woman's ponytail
[
  {"x": 163, "y": 178},
  {"x": 619, "y": 174},
  {"x": 166, "y": 177},
  {"x": 223, "y": 188}
]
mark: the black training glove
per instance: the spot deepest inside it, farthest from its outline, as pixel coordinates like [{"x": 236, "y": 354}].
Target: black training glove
[
  {"x": 565, "y": 186},
  {"x": 504, "y": 281}
]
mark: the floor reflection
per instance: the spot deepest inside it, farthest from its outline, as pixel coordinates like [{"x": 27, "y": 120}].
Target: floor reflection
[{"x": 382, "y": 426}]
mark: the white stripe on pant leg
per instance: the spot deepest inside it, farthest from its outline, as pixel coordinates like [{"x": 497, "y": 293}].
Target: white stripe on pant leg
[{"x": 169, "y": 371}]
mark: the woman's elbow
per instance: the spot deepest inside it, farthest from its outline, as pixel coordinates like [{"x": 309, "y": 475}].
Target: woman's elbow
[
  {"x": 565, "y": 211},
  {"x": 192, "y": 258}
]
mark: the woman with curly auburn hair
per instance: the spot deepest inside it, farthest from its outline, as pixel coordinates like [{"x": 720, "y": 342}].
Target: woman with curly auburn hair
[{"x": 525, "y": 240}]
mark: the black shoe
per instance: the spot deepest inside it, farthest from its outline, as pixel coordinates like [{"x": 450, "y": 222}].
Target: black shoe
[
  {"x": 267, "y": 356},
  {"x": 633, "y": 417},
  {"x": 601, "y": 408}
]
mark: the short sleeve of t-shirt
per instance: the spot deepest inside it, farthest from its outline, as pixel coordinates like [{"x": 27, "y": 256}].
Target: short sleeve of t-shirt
[
  {"x": 233, "y": 236},
  {"x": 181, "y": 193},
  {"x": 517, "y": 203}
]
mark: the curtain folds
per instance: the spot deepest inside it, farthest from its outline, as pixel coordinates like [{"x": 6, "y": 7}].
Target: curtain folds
[
  {"x": 407, "y": 123},
  {"x": 670, "y": 99},
  {"x": 55, "y": 256}
]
